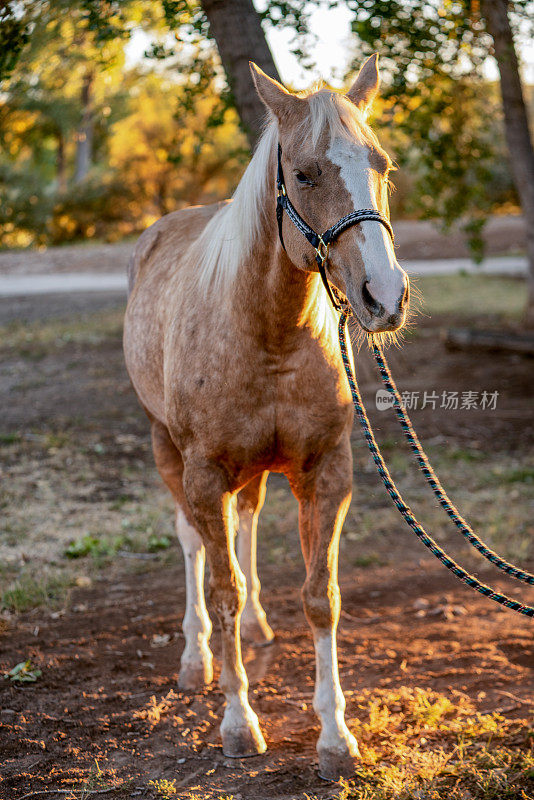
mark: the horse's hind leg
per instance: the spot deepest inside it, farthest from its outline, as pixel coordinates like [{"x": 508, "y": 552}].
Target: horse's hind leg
[
  {"x": 214, "y": 509},
  {"x": 324, "y": 496},
  {"x": 254, "y": 625},
  {"x": 196, "y": 668}
]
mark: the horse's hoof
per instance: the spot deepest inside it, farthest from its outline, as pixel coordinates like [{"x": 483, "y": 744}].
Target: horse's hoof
[
  {"x": 195, "y": 676},
  {"x": 243, "y": 742},
  {"x": 257, "y": 632},
  {"x": 334, "y": 765}
]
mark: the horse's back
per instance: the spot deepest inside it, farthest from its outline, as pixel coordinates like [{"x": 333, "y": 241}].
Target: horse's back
[
  {"x": 156, "y": 265},
  {"x": 160, "y": 246}
]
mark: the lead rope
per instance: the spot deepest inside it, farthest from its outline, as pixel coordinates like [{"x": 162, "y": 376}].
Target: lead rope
[
  {"x": 431, "y": 477},
  {"x": 395, "y": 495}
]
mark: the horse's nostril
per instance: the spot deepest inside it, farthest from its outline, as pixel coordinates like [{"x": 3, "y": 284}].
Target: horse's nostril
[
  {"x": 373, "y": 306},
  {"x": 405, "y": 296}
]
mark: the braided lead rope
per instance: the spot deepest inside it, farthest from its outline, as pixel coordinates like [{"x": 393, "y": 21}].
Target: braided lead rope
[
  {"x": 395, "y": 495},
  {"x": 431, "y": 477}
]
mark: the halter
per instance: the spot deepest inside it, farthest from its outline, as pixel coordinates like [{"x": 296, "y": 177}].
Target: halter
[{"x": 321, "y": 243}]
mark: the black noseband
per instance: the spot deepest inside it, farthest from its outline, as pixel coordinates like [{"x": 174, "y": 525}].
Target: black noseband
[{"x": 320, "y": 243}]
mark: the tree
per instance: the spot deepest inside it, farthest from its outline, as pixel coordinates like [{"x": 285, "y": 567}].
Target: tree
[
  {"x": 436, "y": 51},
  {"x": 237, "y": 30},
  {"x": 236, "y": 27},
  {"x": 516, "y": 123}
]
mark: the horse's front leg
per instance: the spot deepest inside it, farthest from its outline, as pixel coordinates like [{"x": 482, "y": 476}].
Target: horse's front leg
[
  {"x": 214, "y": 510},
  {"x": 324, "y": 496},
  {"x": 196, "y": 668},
  {"x": 254, "y": 625}
]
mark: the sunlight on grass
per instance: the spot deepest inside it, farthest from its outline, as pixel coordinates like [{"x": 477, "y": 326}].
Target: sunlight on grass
[
  {"x": 471, "y": 295},
  {"x": 420, "y": 745},
  {"x": 164, "y": 788}
]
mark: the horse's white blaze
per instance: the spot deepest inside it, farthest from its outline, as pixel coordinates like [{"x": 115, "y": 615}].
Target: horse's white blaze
[
  {"x": 384, "y": 275},
  {"x": 196, "y": 624},
  {"x": 328, "y": 701}
]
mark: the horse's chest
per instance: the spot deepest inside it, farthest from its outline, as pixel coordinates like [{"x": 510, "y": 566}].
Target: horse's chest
[
  {"x": 274, "y": 411},
  {"x": 312, "y": 410}
]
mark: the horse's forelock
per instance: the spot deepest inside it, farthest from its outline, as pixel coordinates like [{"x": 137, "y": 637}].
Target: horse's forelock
[{"x": 334, "y": 113}]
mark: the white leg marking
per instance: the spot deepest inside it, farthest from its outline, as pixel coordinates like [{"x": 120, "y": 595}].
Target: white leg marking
[
  {"x": 196, "y": 665},
  {"x": 254, "y": 625},
  {"x": 328, "y": 701},
  {"x": 240, "y": 729}
]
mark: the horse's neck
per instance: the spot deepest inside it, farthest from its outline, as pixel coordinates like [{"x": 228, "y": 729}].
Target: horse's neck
[{"x": 272, "y": 295}]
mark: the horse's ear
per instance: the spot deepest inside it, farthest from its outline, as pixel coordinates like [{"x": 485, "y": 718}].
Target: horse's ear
[
  {"x": 281, "y": 102},
  {"x": 365, "y": 88}
]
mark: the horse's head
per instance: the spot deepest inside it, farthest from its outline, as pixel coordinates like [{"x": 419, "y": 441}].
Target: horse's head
[{"x": 333, "y": 164}]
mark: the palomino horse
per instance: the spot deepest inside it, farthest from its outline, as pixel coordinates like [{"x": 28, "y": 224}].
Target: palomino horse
[{"x": 230, "y": 342}]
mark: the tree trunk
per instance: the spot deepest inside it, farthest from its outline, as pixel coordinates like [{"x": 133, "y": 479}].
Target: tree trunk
[
  {"x": 61, "y": 164},
  {"x": 236, "y": 27},
  {"x": 517, "y": 132},
  {"x": 84, "y": 135}
]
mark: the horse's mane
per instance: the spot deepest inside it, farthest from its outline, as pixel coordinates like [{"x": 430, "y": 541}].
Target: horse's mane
[{"x": 229, "y": 237}]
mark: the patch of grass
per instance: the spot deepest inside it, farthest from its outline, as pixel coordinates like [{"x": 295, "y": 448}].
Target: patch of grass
[
  {"x": 421, "y": 745},
  {"x": 164, "y": 788},
  {"x": 30, "y": 591},
  {"x": 464, "y": 454},
  {"x": 10, "y": 438},
  {"x": 101, "y": 548},
  {"x": 24, "y": 672},
  {"x": 84, "y": 546},
  {"x": 471, "y": 295},
  {"x": 91, "y": 329},
  {"x": 156, "y": 543},
  {"x": 370, "y": 560},
  {"x": 102, "y": 781},
  {"x": 516, "y": 475}
]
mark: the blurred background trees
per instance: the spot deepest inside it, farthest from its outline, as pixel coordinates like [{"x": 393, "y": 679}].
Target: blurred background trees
[
  {"x": 472, "y": 144},
  {"x": 95, "y": 143},
  {"x": 95, "y": 147}
]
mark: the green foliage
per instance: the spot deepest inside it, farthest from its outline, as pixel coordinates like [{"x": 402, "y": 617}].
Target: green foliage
[
  {"x": 156, "y": 543},
  {"x": 445, "y": 119},
  {"x": 84, "y": 546},
  {"x": 14, "y": 35},
  {"x": 102, "y": 547},
  {"x": 99, "y": 548},
  {"x": 157, "y": 142},
  {"x": 23, "y": 673}
]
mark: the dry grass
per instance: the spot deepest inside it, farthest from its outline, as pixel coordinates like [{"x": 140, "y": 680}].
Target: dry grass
[
  {"x": 471, "y": 295},
  {"x": 420, "y": 745}
]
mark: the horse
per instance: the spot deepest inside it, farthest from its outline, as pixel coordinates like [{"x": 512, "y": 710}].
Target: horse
[{"x": 230, "y": 342}]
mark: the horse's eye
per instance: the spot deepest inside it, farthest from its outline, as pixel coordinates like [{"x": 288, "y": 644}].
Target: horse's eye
[{"x": 302, "y": 178}]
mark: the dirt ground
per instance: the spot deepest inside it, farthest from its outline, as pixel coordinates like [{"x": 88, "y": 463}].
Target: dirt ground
[{"x": 76, "y": 460}]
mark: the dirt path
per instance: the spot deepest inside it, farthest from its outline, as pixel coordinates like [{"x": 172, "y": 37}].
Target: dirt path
[
  {"x": 100, "y": 670},
  {"x": 76, "y": 459},
  {"x": 414, "y": 240}
]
